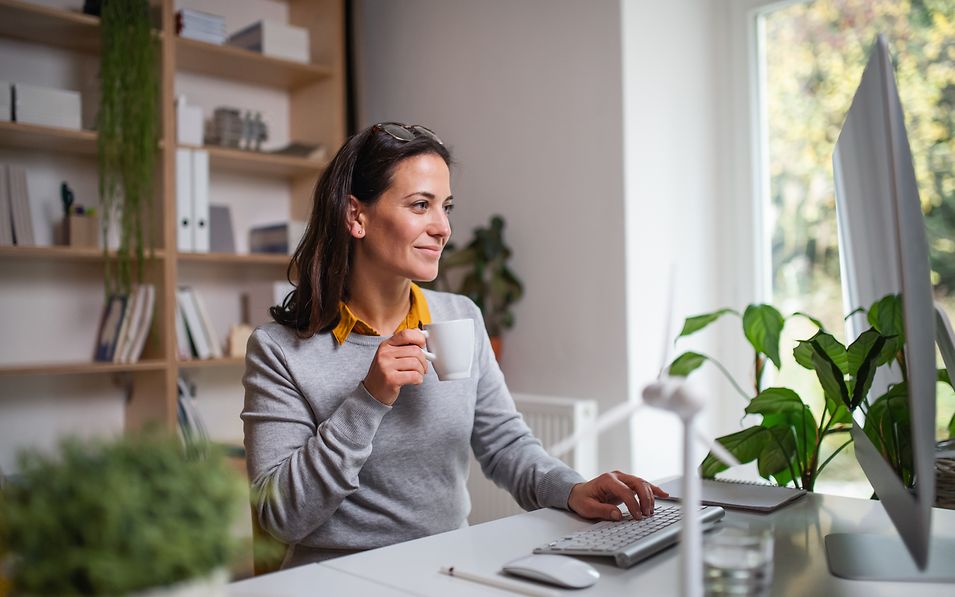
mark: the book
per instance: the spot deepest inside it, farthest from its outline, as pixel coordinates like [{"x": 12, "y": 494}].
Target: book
[
  {"x": 6, "y": 217},
  {"x": 143, "y": 327},
  {"x": 273, "y": 39},
  {"x": 183, "y": 348},
  {"x": 20, "y": 205},
  {"x": 210, "y": 332},
  {"x": 133, "y": 308},
  {"x": 742, "y": 495},
  {"x": 110, "y": 321},
  {"x": 197, "y": 335}
]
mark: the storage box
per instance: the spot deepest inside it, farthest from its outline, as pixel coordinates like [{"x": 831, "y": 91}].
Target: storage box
[
  {"x": 274, "y": 39},
  {"x": 6, "y": 101},
  {"x": 82, "y": 231},
  {"x": 277, "y": 238},
  {"x": 262, "y": 296},
  {"x": 46, "y": 106},
  {"x": 188, "y": 123}
]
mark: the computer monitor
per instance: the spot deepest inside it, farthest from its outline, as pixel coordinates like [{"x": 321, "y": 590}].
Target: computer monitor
[{"x": 883, "y": 250}]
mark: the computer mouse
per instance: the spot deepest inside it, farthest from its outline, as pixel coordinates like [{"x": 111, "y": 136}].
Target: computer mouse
[{"x": 562, "y": 571}]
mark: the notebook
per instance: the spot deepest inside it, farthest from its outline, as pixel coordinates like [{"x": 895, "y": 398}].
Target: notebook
[{"x": 742, "y": 495}]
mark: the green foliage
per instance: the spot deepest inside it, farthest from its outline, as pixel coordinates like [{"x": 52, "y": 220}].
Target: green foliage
[
  {"x": 786, "y": 443},
  {"x": 110, "y": 518},
  {"x": 128, "y": 124},
  {"x": 487, "y": 281}
]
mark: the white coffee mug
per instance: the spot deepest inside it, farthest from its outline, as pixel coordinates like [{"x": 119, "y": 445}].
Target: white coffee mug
[{"x": 450, "y": 348}]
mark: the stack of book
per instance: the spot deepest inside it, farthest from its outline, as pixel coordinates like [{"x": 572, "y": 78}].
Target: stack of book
[
  {"x": 195, "y": 336},
  {"x": 192, "y": 430},
  {"x": 201, "y": 26},
  {"x": 125, "y": 325},
  {"x": 16, "y": 219}
]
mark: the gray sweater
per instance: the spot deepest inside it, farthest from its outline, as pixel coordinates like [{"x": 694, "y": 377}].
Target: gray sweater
[{"x": 334, "y": 471}]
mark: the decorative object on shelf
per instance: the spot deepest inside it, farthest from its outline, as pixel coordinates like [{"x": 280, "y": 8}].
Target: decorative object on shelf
[
  {"x": 92, "y": 7},
  {"x": 230, "y": 128},
  {"x": 787, "y": 443},
  {"x": 238, "y": 339},
  {"x": 80, "y": 227},
  {"x": 221, "y": 237},
  {"x": 273, "y": 39},
  {"x": 124, "y": 515},
  {"x": 280, "y": 238},
  {"x": 128, "y": 140},
  {"x": 487, "y": 281},
  {"x": 188, "y": 122},
  {"x": 200, "y": 26}
]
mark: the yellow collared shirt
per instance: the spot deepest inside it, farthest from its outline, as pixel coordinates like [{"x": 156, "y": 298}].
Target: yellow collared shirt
[{"x": 349, "y": 322}]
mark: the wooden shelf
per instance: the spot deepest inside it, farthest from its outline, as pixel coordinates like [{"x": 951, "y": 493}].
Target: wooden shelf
[
  {"x": 60, "y": 253},
  {"x": 240, "y": 65},
  {"x": 82, "y": 368},
  {"x": 257, "y": 162},
  {"x": 235, "y": 258},
  {"x": 49, "y": 26},
  {"x": 206, "y": 363},
  {"x": 47, "y": 138}
]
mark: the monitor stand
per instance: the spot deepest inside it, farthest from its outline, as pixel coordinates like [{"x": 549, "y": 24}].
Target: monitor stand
[{"x": 858, "y": 556}]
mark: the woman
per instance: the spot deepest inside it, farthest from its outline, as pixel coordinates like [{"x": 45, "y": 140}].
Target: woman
[{"x": 352, "y": 441}]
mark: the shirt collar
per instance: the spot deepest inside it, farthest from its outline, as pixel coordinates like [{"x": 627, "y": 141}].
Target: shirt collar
[{"x": 348, "y": 322}]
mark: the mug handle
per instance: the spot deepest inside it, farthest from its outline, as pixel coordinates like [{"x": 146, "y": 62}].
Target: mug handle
[{"x": 428, "y": 355}]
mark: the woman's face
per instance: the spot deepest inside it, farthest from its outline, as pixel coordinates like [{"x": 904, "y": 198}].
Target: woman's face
[{"x": 403, "y": 233}]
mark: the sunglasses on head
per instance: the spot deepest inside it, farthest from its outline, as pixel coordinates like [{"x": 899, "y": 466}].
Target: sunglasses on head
[{"x": 406, "y": 132}]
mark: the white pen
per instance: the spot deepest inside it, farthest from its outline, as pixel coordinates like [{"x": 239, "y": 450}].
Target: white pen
[{"x": 500, "y": 583}]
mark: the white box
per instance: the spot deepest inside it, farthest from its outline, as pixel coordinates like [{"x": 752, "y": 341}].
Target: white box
[
  {"x": 46, "y": 106},
  {"x": 188, "y": 123},
  {"x": 274, "y": 39},
  {"x": 6, "y": 101}
]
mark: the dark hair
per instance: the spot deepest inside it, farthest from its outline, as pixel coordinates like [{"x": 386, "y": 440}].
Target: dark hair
[{"x": 364, "y": 168}]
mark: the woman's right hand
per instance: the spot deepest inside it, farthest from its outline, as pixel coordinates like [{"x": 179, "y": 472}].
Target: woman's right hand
[{"x": 398, "y": 362}]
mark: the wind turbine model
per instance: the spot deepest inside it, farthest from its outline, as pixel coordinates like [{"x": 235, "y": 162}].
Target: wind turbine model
[{"x": 675, "y": 395}]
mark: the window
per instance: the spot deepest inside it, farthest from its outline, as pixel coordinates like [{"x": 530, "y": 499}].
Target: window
[{"x": 813, "y": 56}]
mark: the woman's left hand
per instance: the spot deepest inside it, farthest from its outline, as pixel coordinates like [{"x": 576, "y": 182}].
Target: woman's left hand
[{"x": 599, "y": 497}]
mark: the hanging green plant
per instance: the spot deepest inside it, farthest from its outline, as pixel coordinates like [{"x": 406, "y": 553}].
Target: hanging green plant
[{"x": 128, "y": 124}]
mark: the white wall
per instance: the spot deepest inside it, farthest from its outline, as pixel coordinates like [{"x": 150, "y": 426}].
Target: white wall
[{"x": 528, "y": 96}]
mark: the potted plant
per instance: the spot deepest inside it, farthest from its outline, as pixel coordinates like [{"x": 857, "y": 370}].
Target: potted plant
[
  {"x": 786, "y": 443},
  {"x": 119, "y": 517},
  {"x": 485, "y": 278},
  {"x": 128, "y": 127}
]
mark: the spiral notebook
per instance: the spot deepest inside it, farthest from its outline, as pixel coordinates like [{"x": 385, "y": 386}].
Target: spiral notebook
[{"x": 742, "y": 495}]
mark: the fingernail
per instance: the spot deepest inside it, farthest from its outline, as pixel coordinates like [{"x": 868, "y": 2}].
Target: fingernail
[{"x": 615, "y": 515}]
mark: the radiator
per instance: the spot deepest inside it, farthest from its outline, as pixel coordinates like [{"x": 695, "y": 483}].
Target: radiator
[{"x": 551, "y": 419}]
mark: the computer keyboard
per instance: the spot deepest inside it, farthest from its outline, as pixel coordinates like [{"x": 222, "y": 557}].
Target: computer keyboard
[{"x": 629, "y": 541}]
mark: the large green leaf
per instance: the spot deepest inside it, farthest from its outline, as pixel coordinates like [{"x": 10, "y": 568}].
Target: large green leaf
[
  {"x": 779, "y": 451},
  {"x": 863, "y": 357},
  {"x": 762, "y": 325},
  {"x": 951, "y": 428},
  {"x": 838, "y": 411},
  {"x": 686, "y": 363},
  {"x": 888, "y": 426},
  {"x": 698, "y": 322},
  {"x": 830, "y": 376},
  {"x": 885, "y": 315},
  {"x": 889, "y": 350},
  {"x": 745, "y": 445},
  {"x": 828, "y": 343},
  {"x": 775, "y": 401},
  {"x": 784, "y": 409}
]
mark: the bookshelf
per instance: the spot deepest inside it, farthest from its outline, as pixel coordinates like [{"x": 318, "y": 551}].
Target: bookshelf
[{"x": 315, "y": 97}]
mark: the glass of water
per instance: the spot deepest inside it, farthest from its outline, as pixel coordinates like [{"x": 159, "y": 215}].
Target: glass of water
[{"x": 737, "y": 561}]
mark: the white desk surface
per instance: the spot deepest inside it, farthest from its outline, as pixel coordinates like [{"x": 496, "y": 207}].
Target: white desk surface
[
  {"x": 312, "y": 580},
  {"x": 800, "y": 556}
]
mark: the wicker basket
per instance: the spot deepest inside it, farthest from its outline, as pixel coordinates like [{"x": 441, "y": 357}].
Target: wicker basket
[{"x": 945, "y": 483}]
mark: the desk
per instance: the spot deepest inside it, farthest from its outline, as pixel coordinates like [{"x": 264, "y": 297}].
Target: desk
[{"x": 800, "y": 556}]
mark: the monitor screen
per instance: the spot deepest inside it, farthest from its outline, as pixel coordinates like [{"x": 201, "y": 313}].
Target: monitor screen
[{"x": 884, "y": 256}]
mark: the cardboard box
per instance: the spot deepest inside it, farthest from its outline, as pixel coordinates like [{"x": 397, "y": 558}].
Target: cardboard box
[
  {"x": 274, "y": 39},
  {"x": 83, "y": 231},
  {"x": 46, "y": 106}
]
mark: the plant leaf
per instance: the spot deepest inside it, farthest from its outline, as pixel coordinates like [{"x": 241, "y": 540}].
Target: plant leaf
[
  {"x": 745, "y": 445},
  {"x": 779, "y": 450},
  {"x": 885, "y": 315},
  {"x": 762, "y": 325},
  {"x": 831, "y": 378},
  {"x": 686, "y": 363},
  {"x": 775, "y": 401},
  {"x": 832, "y": 347},
  {"x": 782, "y": 408},
  {"x": 812, "y": 319},
  {"x": 951, "y": 427},
  {"x": 888, "y": 426},
  {"x": 863, "y": 356},
  {"x": 698, "y": 322}
]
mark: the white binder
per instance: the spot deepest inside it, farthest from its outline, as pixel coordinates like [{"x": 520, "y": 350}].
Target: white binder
[
  {"x": 200, "y": 201},
  {"x": 184, "y": 201}
]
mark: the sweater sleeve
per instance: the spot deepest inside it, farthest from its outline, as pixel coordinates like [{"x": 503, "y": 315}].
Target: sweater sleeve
[
  {"x": 508, "y": 452},
  {"x": 301, "y": 469}
]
